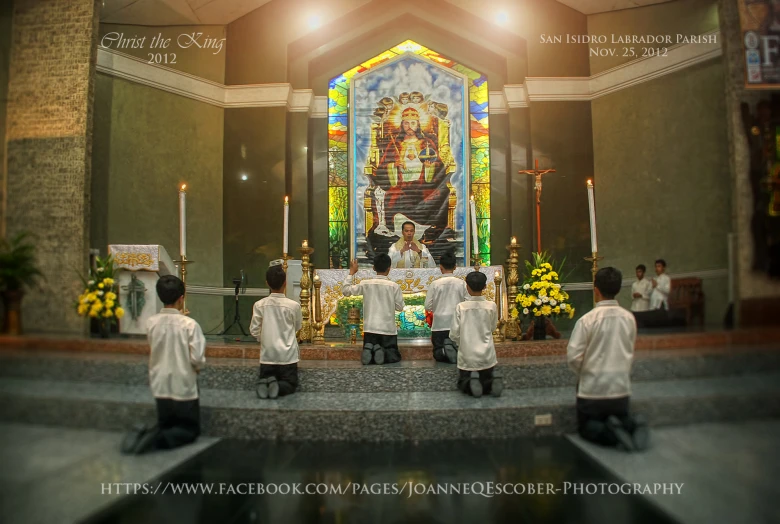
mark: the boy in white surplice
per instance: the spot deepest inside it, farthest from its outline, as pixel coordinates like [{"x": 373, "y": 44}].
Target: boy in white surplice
[
  {"x": 276, "y": 321},
  {"x": 472, "y": 330},
  {"x": 662, "y": 285},
  {"x": 600, "y": 352},
  {"x": 640, "y": 291},
  {"x": 381, "y": 299},
  {"x": 177, "y": 353},
  {"x": 444, "y": 294}
]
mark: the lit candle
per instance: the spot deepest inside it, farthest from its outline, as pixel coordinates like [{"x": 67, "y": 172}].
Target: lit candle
[
  {"x": 286, "y": 222},
  {"x": 475, "y": 252},
  {"x": 183, "y": 221},
  {"x": 514, "y": 241},
  {"x": 305, "y": 243},
  {"x": 592, "y": 207}
]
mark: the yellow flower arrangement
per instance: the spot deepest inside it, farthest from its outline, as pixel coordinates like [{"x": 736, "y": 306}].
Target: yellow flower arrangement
[
  {"x": 541, "y": 294},
  {"x": 100, "y": 297}
]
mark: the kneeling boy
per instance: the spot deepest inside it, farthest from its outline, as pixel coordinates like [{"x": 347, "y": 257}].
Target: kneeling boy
[
  {"x": 381, "y": 299},
  {"x": 275, "y": 322},
  {"x": 472, "y": 330},
  {"x": 178, "y": 352},
  {"x": 601, "y": 351},
  {"x": 444, "y": 294}
]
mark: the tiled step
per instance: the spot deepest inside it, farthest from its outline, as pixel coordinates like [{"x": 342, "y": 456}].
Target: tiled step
[
  {"x": 352, "y": 377},
  {"x": 410, "y": 350},
  {"x": 385, "y": 415}
]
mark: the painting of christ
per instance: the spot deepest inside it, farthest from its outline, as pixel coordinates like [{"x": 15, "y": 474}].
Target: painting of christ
[{"x": 408, "y": 160}]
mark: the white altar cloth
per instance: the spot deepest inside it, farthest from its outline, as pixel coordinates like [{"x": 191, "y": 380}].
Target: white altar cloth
[{"x": 411, "y": 281}]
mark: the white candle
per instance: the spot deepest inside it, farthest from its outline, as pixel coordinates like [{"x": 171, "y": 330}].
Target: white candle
[
  {"x": 286, "y": 222},
  {"x": 475, "y": 252},
  {"x": 592, "y": 206},
  {"x": 183, "y": 221}
]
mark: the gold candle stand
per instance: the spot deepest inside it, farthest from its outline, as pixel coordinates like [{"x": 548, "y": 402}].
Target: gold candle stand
[
  {"x": 285, "y": 258},
  {"x": 497, "y": 334},
  {"x": 594, "y": 258},
  {"x": 318, "y": 327},
  {"x": 306, "y": 327},
  {"x": 183, "y": 264},
  {"x": 512, "y": 329}
]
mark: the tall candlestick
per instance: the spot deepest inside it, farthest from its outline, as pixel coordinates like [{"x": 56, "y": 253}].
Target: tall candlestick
[
  {"x": 286, "y": 222},
  {"x": 475, "y": 242},
  {"x": 183, "y": 221},
  {"x": 592, "y": 207}
]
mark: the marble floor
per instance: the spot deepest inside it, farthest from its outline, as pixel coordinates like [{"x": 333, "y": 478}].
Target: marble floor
[
  {"x": 727, "y": 473},
  {"x": 51, "y": 475}
]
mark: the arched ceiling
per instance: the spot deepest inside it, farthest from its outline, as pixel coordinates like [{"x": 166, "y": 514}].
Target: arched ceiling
[{"x": 223, "y": 12}]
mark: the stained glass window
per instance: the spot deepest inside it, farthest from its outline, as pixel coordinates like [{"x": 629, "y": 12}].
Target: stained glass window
[{"x": 338, "y": 131}]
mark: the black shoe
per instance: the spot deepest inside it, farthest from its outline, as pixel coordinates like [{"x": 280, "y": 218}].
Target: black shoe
[
  {"x": 475, "y": 385},
  {"x": 641, "y": 434},
  {"x": 262, "y": 388},
  {"x": 273, "y": 388},
  {"x": 452, "y": 353},
  {"x": 624, "y": 440},
  {"x": 379, "y": 355},
  {"x": 146, "y": 442},
  {"x": 130, "y": 441},
  {"x": 498, "y": 386},
  {"x": 366, "y": 357}
]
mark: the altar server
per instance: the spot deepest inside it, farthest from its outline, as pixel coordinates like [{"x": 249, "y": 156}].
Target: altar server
[
  {"x": 178, "y": 352},
  {"x": 381, "y": 299},
  {"x": 641, "y": 290},
  {"x": 662, "y": 285},
  {"x": 600, "y": 352},
  {"x": 276, "y": 321},
  {"x": 472, "y": 330},
  {"x": 444, "y": 294}
]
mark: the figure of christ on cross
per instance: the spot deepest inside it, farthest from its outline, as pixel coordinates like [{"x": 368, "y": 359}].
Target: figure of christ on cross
[{"x": 537, "y": 173}]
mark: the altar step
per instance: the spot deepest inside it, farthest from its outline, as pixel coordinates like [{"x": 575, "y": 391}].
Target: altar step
[
  {"x": 385, "y": 416},
  {"x": 406, "y": 376},
  {"x": 410, "y": 350}
]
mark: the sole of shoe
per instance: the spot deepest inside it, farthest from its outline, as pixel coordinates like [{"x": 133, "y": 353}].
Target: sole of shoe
[
  {"x": 498, "y": 387},
  {"x": 621, "y": 435},
  {"x": 273, "y": 388},
  {"x": 262, "y": 388},
  {"x": 366, "y": 357},
  {"x": 475, "y": 385},
  {"x": 379, "y": 357},
  {"x": 641, "y": 438},
  {"x": 452, "y": 355}
]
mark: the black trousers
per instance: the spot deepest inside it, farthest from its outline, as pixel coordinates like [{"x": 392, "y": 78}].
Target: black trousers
[
  {"x": 437, "y": 339},
  {"x": 286, "y": 375},
  {"x": 592, "y": 415},
  {"x": 485, "y": 378},
  {"x": 388, "y": 342},
  {"x": 178, "y": 422}
]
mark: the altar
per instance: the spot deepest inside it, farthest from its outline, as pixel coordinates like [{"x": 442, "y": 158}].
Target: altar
[{"x": 414, "y": 285}]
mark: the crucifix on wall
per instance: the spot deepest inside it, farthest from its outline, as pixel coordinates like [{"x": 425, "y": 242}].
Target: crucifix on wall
[{"x": 537, "y": 173}]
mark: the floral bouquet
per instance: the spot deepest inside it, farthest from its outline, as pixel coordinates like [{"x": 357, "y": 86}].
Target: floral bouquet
[
  {"x": 99, "y": 300},
  {"x": 541, "y": 295}
]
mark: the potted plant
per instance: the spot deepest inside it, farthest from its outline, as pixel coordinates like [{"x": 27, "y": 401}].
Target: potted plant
[
  {"x": 100, "y": 299},
  {"x": 17, "y": 271},
  {"x": 542, "y": 297}
]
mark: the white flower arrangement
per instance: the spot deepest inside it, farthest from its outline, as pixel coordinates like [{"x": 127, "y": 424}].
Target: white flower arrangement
[{"x": 553, "y": 302}]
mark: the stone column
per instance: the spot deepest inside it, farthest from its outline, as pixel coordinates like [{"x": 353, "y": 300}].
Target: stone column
[
  {"x": 754, "y": 292},
  {"x": 48, "y": 147}
]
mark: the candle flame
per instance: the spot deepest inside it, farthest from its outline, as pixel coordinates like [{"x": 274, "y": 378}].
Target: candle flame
[
  {"x": 286, "y": 200},
  {"x": 183, "y": 187},
  {"x": 590, "y": 183},
  {"x": 472, "y": 198},
  {"x": 514, "y": 240}
]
